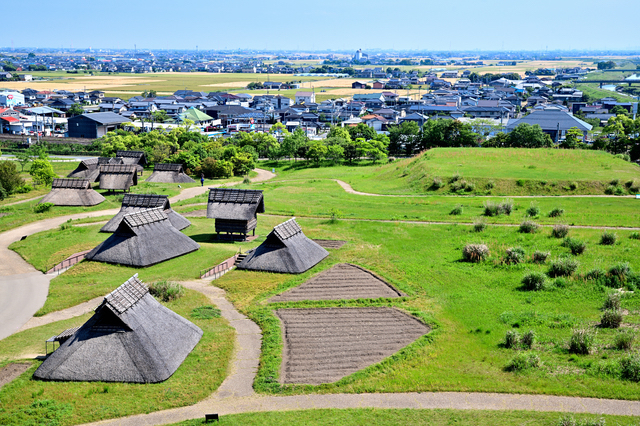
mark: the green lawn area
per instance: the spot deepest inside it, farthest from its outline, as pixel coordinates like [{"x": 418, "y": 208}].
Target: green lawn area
[
  {"x": 491, "y": 171},
  {"x": 323, "y": 197},
  {"x": 27, "y": 401},
  {"x": 389, "y": 417}
]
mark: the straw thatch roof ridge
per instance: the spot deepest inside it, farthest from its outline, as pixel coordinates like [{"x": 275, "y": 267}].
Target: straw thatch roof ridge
[
  {"x": 130, "y": 338},
  {"x": 285, "y": 250},
  {"x": 117, "y": 168},
  {"x": 132, "y": 203},
  {"x": 169, "y": 173},
  {"x": 118, "y": 176},
  {"x": 89, "y": 168},
  {"x": 142, "y": 239},
  {"x": 234, "y": 204},
  {"x": 72, "y": 192}
]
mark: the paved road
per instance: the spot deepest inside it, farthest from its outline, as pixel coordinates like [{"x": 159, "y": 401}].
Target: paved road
[{"x": 23, "y": 289}]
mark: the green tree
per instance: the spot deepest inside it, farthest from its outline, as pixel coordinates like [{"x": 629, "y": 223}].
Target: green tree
[
  {"x": 149, "y": 94},
  {"x": 335, "y": 153},
  {"x": 317, "y": 151},
  {"x": 215, "y": 169},
  {"x": 527, "y": 136},
  {"x": 572, "y": 138},
  {"x": 10, "y": 178},
  {"x": 160, "y": 116},
  {"x": 76, "y": 109},
  {"x": 361, "y": 131},
  {"x": 404, "y": 137},
  {"x": 24, "y": 158},
  {"x": 339, "y": 132},
  {"x": 42, "y": 172},
  {"x": 294, "y": 142}
]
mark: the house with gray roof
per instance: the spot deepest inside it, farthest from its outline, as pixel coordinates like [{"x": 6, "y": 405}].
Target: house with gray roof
[{"x": 553, "y": 121}]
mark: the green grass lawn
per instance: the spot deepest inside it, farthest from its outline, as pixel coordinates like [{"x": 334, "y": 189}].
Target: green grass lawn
[
  {"x": 470, "y": 306},
  {"x": 322, "y": 198},
  {"x": 388, "y": 417},
  {"x": 28, "y": 401},
  {"x": 491, "y": 171},
  {"x": 92, "y": 279}
]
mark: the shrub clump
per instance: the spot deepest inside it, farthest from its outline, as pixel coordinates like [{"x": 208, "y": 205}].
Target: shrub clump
[
  {"x": 540, "y": 257},
  {"x": 582, "y": 342},
  {"x": 635, "y": 236},
  {"x": 534, "y": 281},
  {"x": 491, "y": 208},
  {"x": 533, "y": 210},
  {"x": 612, "y": 302},
  {"x": 514, "y": 255},
  {"x": 575, "y": 245},
  {"x": 479, "y": 226},
  {"x": 166, "y": 290},
  {"x": 43, "y": 207},
  {"x": 620, "y": 271},
  {"x": 511, "y": 339},
  {"x": 457, "y": 210},
  {"x": 569, "y": 420},
  {"x": 608, "y": 238},
  {"x": 557, "y": 212},
  {"x": 475, "y": 252},
  {"x": 624, "y": 340},
  {"x": 595, "y": 274},
  {"x": 611, "y": 318},
  {"x": 528, "y": 227},
  {"x": 523, "y": 361},
  {"x": 560, "y": 231},
  {"x": 528, "y": 339},
  {"x": 437, "y": 183},
  {"x": 562, "y": 267},
  {"x": 630, "y": 368}
]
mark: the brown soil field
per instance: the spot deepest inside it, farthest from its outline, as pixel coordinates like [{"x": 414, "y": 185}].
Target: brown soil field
[
  {"x": 12, "y": 371},
  {"x": 331, "y": 244},
  {"x": 79, "y": 84},
  {"x": 343, "y": 281},
  {"x": 325, "y": 345}
]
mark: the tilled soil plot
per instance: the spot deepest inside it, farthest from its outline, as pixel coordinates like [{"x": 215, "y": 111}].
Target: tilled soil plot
[
  {"x": 325, "y": 345},
  {"x": 343, "y": 281},
  {"x": 12, "y": 371},
  {"x": 330, "y": 244}
]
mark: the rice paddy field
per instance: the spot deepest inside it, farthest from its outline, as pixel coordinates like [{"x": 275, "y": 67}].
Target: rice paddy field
[{"x": 477, "y": 314}]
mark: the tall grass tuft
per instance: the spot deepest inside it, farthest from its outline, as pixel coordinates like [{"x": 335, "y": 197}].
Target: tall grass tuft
[
  {"x": 479, "y": 225},
  {"x": 514, "y": 255},
  {"x": 528, "y": 339},
  {"x": 611, "y": 318},
  {"x": 612, "y": 302},
  {"x": 559, "y": 231},
  {"x": 582, "y": 342},
  {"x": 166, "y": 290},
  {"x": 457, "y": 210},
  {"x": 575, "y": 245},
  {"x": 624, "y": 340},
  {"x": 540, "y": 257},
  {"x": 475, "y": 252},
  {"x": 620, "y": 271},
  {"x": 534, "y": 281},
  {"x": 562, "y": 267},
  {"x": 608, "y": 238},
  {"x": 533, "y": 210},
  {"x": 557, "y": 212},
  {"x": 528, "y": 227},
  {"x": 635, "y": 235},
  {"x": 511, "y": 339},
  {"x": 523, "y": 361},
  {"x": 630, "y": 367}
]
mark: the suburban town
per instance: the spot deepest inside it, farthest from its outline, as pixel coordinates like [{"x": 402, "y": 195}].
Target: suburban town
[{"x": 273, "y": 225}]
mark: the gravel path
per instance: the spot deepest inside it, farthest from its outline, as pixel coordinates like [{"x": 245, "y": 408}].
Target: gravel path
[{"x": 350, "y": 190}]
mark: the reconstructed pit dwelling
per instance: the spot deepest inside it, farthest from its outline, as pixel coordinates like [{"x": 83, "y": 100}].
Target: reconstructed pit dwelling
[
  {"x": 130, "y": 338},
  {"x": 118, "y": 177},
  {"x": 72, "y": 192},
  {"x": 134, "y": 203},
  {"x": 235, "y": 211},
  {"x": 169, "y": 173}
]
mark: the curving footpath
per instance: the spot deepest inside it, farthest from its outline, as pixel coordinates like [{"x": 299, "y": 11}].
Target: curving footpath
[
  {"x": 236, "y": 394},
  {"x": 23, "y": 289}
]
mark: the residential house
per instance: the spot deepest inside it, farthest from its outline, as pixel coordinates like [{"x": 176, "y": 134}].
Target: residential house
[{"x": 305, "y": 97}]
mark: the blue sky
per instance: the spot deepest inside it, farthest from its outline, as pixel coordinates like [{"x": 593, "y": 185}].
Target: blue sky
[{"x": 330, "y": 24}]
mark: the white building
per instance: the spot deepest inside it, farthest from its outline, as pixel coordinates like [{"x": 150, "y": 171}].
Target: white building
[
  {"x": 10, "y": 99},
  {"x": 305, "y": 98}
]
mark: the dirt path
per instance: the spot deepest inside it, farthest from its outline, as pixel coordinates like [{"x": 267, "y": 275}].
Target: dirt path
[
  {"x": 350, "y": 190},
  {"x": 187, "y": 193},
  {"x": 23, "y": 289}
]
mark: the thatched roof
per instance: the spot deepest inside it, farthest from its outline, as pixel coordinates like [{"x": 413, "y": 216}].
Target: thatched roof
[
  {"x": 118, "y": 176},
  {"x": 90, "y": 168},
  {"x": 286, "y": 250},
  {"x": 143, "y": 239},
  {"x": 72, "y": 192},
  {"x": 234, "y": 204},
  {"x": 133, "y": 157},
  {"x": 134, "y": 203},
  {"x": 130, "y": 338},
  {"x": 169, "y": 173}
]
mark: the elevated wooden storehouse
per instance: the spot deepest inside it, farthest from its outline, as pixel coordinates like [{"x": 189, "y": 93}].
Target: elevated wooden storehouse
[
  {"x": 286, "y": 250},
  {"x": 90, "y": 168},
  {"x": 138, "y": 158},
  {"x": 235, "y": 210},
  {"x": 130, "y": 338},
  {"x": 118, "y": 177},
  {"x": 169, "y": 173},
  {"x": 72, "y": 192},
  {"x": 143, "y": 239},
  {"x": 134, "y": 203}
]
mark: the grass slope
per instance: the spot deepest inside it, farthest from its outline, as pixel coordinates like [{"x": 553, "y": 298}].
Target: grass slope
[{"x": 28, "y": 401}]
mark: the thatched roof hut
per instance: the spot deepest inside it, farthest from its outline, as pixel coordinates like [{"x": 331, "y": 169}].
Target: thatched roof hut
[
  {"x": 72, "y": 192},
  {"x": 235, "y": 210},
  {"x": 90, "y": 168},
  {"x": 130, "y": 338},
  {"x": 169, "y": 173},
  {"x": 286, "y": 250},
  {"x": 138, "y": 158},
  {"x": 118, "y": 177},
  {"x": 143, "y": 239},
  {"x": 134, "y": 203}
]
